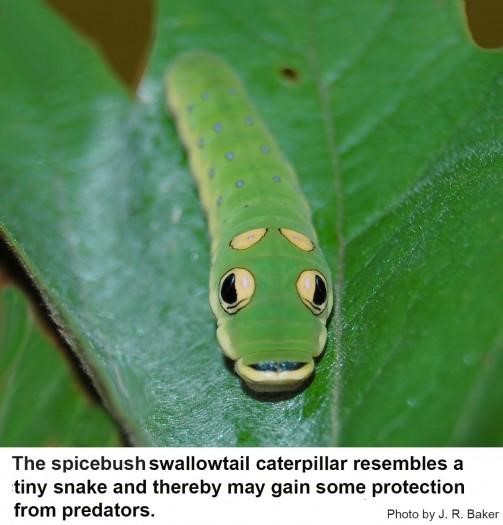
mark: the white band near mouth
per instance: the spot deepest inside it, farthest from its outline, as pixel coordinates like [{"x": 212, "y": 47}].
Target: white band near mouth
[{"x": 270, "y": 381}]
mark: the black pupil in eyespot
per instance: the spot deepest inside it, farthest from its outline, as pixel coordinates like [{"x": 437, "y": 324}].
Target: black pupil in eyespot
[
  {"x": 320, "y": 291},
  {"x": 228, "y": 289}
]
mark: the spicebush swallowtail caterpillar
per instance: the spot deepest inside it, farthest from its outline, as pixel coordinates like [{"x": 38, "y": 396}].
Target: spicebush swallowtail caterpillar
[{"x": 270, "y": 285}]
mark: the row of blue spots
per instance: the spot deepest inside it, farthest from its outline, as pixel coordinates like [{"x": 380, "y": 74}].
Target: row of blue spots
[
  {"x": 239, "y": 184},
  {"x": 265, "y": 150},
  {"x": 232, "y": 91},
  {"x": 229, "y": 155},
  {"x": 205, "y": 96}
]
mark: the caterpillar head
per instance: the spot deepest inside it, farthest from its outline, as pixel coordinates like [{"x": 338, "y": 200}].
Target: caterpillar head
[{"x": 272, "y": 300}]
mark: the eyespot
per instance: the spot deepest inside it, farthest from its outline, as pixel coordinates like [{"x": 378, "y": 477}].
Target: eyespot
[
  {"x": 247, "y": 239},
  {"x": 297, "y": 239},
  {"x": 236, "y": 289},
  {"x": 312, "y": 288}
]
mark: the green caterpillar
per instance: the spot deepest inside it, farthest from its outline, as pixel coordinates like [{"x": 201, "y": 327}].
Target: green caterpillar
[{"x": 270, "y": 285}]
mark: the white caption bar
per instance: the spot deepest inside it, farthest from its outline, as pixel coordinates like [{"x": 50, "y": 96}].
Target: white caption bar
[{"x": 249, "y": 486}]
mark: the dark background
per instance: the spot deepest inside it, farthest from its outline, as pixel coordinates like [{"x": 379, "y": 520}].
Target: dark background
[{"x": 122, "y": 29}]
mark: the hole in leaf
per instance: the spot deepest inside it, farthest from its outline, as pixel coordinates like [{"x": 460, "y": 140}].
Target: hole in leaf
[{"x": 290, "y": 74}]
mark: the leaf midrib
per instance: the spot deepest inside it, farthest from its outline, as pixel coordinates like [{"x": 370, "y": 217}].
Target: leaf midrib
[{"x": 324, "y": 96}]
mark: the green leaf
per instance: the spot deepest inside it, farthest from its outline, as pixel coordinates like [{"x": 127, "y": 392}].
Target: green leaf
[
  {"x": 40, "y": 403},
  {"x": 394, "y": 125}
]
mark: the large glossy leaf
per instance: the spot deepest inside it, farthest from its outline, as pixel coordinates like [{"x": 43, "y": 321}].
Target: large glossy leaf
[
  {"x": 394, "y": 124},
  {"x": 40, "y": 401}
]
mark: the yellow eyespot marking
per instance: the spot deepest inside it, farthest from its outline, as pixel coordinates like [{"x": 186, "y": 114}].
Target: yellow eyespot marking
[
  {"x": 244, "y": 240},
  {"x": 312, "y": 289},
  {"x": 297, "y": 239},
  {"x": 236, "y": 290}
]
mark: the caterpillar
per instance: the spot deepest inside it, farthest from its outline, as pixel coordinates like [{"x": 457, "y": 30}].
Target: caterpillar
[{"x": 270, "y": 286}]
